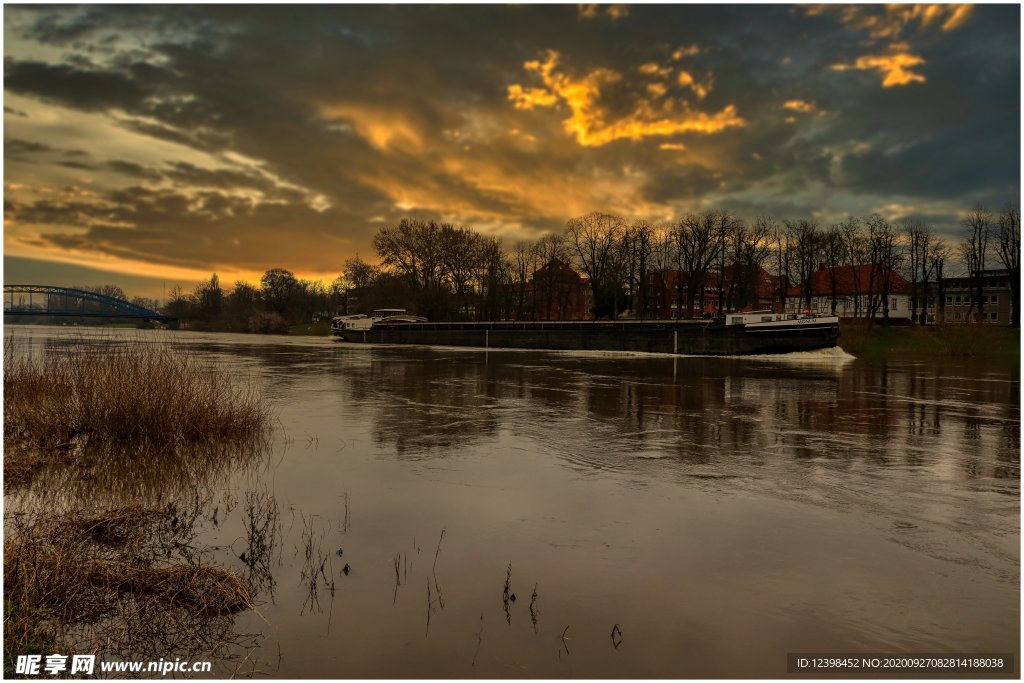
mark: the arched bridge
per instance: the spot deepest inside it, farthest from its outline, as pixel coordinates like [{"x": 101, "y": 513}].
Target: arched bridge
[{"x": 65, "y": 301}]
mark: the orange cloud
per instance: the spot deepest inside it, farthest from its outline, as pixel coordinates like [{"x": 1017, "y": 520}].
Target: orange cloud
[
  {"x": 672, "y": 146},
  {"x": 889, "y": 21},
  {"x": 686, "y": 51},
  {"x": 383, "y": 129},
  {"x": 657, "y": 89},
  {"x": 800, "y": 106},
  {"x": 618, "y": 11},
  {"x": 528, "y": 98},
  {"x": 687, "y": 80},
  {"x": 654, "y": 69},
  {"x": 591, "y": 11},
  {"x": 587, "y": 120},
  {"x": 894, "y": 67}
]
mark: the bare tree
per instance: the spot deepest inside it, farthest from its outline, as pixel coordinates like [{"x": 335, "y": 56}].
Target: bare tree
[
  {"x": 974, "y": 251},
  {"x": 1008, "y": 250},
  {"x": 886, "y": 256},
  {"x": 833, "y": 250},
  {"x": 462, "y": 253},
  {"x": 413, "y": 251},
  {"x": 783, "y": 264},
  {"x": 639, "y": 244},
  {"x": 806, "y": 240},
  {"x": 698, "y": 240},
  {"x": 553, "y": 255},
  {"x": 597, "y": 240},
  {"x": 855, "y": 248},
  {"x": 356, "y": 272},
  {"x": 753, "y": 247},
  {"x": 939, "y": 253},
  {"x": 919, "y": 238},
  {"x": 491, "y": 279},
  {"x": 523, "y": 265}
]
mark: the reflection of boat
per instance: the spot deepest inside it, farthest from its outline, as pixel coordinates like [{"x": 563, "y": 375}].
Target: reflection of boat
[
  {"x": 759, "y": 332},
  {"x": 381, "y": 316}
]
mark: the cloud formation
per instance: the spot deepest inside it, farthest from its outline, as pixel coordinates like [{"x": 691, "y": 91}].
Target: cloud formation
[
  {"x": 177, "y": 140},
  {"x": 593, "y": 124},
  {"x": 896, "y": 67}
]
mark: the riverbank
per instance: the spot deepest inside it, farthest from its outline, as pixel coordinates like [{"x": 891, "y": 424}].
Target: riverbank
[{"x": 940, "y": 341}]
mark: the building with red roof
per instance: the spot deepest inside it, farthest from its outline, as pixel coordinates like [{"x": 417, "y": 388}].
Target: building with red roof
[{"x": 860, "y": 291}]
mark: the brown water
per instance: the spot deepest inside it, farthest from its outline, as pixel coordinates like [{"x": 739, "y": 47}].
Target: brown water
[{"x": 721, "y": 512}]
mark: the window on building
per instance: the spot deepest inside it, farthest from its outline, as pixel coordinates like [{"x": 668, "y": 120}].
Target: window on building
[
  {"x": 994, "y": 299},
  {"x": 949, "y": 300},
  {"x": 993, "y": 316},
  {"x": 957, "y": 301},
  {"x": 892, "y": 304}
]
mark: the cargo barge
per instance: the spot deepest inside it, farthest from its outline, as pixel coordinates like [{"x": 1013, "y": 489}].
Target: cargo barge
[{"x": 736, "y": 334}]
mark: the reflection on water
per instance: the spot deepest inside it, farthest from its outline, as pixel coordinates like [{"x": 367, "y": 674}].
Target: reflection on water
[{"x": 651, "y": 516}]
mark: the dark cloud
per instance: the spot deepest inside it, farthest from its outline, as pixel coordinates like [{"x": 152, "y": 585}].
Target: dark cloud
[
  {"x": 15, "y": 148},
  {"x": 25, "y": 150},
  {"x": 71, "y": 86},
  {"x": 133, "y": 170},
  {"x": 76, "y": 165}
]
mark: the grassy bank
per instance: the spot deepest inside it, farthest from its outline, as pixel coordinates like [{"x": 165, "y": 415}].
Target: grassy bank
[{"x": 938, "y": 341}]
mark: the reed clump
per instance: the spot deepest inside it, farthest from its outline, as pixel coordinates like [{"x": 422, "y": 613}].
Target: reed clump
[
  {"x": 97, "y": 570},
  {"x": 148, "y": 398},
  {"x": 132, "y": 393}
]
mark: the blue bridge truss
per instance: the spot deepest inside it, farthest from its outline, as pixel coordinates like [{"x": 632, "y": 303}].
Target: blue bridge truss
[{"x": 65, "y": 301}]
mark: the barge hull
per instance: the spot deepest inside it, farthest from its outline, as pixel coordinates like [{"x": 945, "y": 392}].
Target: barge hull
[{"x": 703, "y": 339}]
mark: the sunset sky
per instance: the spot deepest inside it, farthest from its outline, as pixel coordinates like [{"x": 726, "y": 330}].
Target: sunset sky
[{"x": 162, "y": 143}]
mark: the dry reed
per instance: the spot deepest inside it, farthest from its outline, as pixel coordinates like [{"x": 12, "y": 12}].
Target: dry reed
[
  {"x": 131, "y": 393},
  {"x": 103, "y": 398},
  {"x": 102, "y": 571}
]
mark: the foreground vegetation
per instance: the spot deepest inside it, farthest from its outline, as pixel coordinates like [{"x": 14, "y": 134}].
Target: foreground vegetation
[
  {"x": 126, "y": 577},
  {"x": 931, "y": 342},
  {"x": 147, "y": 397}
]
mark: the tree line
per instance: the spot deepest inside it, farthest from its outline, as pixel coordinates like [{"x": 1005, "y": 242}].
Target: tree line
[{"x": 450, "y": 272}]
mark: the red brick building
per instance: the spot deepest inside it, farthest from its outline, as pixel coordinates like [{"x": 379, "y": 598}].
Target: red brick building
[
  {"x": 665, "y": 299},
  {"x": 558, "y": 292}
]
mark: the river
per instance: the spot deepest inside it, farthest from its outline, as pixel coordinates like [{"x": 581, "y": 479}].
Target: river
[{"x": 533, "y": 514}]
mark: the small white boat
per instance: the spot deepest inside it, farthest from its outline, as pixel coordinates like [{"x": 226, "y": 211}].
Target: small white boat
[{"x": 381, "y": 316}]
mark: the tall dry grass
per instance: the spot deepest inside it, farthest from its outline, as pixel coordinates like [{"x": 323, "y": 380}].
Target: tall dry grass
[{"x": 134, "y": 394}]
